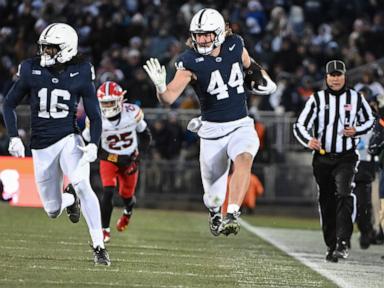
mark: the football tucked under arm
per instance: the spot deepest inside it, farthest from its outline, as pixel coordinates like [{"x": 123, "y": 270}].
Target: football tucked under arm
[{"x": 257, "y": 79}]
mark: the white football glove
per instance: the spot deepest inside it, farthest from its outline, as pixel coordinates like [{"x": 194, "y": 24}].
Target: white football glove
[
  {"x": 194, "y": 124},
  {"x": 16, "y": 147},
  {"x": 157, "y": 74},
  {"x": 90, "y": 152},
  {"x": 269, "y": 88}
]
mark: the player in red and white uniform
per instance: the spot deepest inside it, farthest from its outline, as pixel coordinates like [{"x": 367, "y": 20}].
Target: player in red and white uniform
[{"x": 124, "y": 134}]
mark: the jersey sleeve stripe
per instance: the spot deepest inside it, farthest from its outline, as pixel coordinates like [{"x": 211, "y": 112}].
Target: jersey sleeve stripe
[{"x": 139, "y": 116}]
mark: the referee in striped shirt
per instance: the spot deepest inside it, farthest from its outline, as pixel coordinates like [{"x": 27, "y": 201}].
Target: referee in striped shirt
[{"x": 330, "y": 124}]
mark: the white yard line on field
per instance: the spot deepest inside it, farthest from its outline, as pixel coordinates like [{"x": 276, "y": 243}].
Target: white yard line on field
[{"x": 363, "y": 268}]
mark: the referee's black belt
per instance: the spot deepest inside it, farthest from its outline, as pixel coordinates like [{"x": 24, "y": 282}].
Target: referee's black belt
[{"x": 337, "y": 155}]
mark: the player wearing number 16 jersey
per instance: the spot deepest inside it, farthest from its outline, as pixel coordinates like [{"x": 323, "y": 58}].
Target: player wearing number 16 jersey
[
  {"x": 55, "y": 82},
  {"x": 124, "y": 133},
  {"x": 214, "y": 65}
]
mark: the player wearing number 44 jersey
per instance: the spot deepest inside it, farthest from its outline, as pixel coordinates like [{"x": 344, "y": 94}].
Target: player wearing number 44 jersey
[
  {"x": 214, "y": 65},
  {"x": 54, "y": 83},
  {"x": 124, "y": 134}
]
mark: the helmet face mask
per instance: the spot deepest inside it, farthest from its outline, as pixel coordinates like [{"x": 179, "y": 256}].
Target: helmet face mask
[
  {"x": 204, "y": 22},
  {"x": 204, "y": 47},
  {"x": 57, "y": 44},
  {"x": 111, "y": 98},
  {"x": 110, "y": 108}
]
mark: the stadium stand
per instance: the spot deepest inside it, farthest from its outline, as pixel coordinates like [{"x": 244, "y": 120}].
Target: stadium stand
[{"x": 293, "y": 39}]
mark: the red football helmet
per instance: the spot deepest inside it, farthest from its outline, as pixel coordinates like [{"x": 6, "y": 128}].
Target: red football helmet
[{"x": 111, "y": 96}]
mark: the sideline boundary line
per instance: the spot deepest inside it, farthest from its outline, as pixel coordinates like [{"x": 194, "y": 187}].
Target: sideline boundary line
[{"x": 252, "y": 229}]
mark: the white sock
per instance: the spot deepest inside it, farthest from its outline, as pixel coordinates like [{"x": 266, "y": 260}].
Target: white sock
[
  {"x": 90, "y": 209},
  {"x": 67, "y": 200},
  {"x": 215, "y": 210},
  {"x": 97, "y": 238},
  {"x": 232, "y": 208}
]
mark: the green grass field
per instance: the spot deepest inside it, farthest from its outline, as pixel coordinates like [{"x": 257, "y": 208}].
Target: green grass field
[{"x": 159, "y": 249}]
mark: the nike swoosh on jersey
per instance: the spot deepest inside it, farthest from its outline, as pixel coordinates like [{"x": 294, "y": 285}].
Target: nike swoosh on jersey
[
  {"x": 73, "y": 74},
  {"x": 232, "y": 47}
]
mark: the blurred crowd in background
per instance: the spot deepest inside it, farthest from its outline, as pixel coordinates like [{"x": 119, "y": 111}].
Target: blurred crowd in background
[{"x": 293, "y": 39}]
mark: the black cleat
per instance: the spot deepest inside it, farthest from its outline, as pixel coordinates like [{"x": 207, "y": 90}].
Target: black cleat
[
  {"x": 214, "y": 222},
  {"x": 329, "y": 257},
  {"x": 341, "y": 251},
  {"x": 73, "y": 211},
  {"x": 230, "y": 225},
  {"x": 101, "y": 256}
]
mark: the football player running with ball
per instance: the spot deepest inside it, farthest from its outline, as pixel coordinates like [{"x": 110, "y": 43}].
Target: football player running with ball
[
  {"x": 124, "y": 134},
  {"x": 215, "y": 64},
  {"x": 54, "y": 83}
]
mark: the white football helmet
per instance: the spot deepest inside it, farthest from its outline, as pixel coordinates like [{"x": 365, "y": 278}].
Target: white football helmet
[
  {"x": 64, "y": 37},
  {"x": 205, "y": 21}
]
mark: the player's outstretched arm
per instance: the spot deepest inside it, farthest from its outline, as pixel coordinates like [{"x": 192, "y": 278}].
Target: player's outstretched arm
[{"x": 167, "y": 94}]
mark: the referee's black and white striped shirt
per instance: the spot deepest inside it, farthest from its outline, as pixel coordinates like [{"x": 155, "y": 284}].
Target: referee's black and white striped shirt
[{"x": 325, "y": 115}]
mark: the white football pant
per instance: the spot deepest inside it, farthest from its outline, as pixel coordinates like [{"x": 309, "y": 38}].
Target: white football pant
[
  {"x": 57, "y": 160},
  {"x": 216, "y": 155}
]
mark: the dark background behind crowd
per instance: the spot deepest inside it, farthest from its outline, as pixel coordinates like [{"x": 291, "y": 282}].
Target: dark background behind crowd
[{"x": 293, "y": 39}]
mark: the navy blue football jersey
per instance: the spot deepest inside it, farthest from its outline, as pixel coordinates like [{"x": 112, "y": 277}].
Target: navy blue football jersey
[
  {"x": 53, "y": 98},
  {"x": 220, "y": 79}
]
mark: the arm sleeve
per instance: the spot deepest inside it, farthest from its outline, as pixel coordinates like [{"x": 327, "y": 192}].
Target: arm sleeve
[
  {"x": 92, "y": 109},
  {"x": 13, "y": 98},
  {"x": 305, "y": 121},
  {"x": 145, "y": 138},
  {"x": 139, "y": 118},
  {"x": 365, "y": 117}
]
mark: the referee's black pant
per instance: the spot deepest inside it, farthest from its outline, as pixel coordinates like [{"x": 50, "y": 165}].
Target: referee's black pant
[{"x": 334, "y": 175}]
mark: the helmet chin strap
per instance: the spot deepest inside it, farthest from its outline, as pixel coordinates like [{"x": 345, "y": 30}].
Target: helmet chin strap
[
  {"x": 47, "y": 61},
  {"x": 205, "y": 50}
]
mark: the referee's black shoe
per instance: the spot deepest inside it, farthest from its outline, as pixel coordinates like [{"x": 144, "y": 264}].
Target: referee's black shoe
[
  {"x": 364, "y": 241},
  {"x": 329, "y": 257}
]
